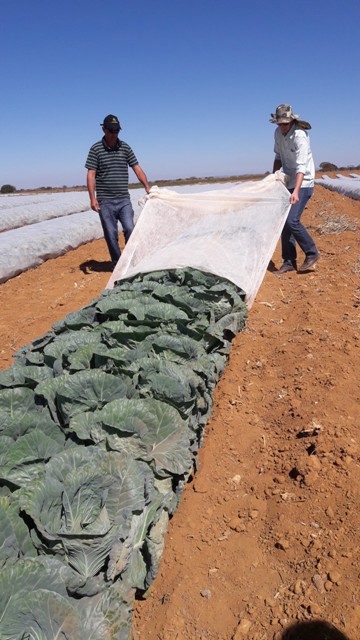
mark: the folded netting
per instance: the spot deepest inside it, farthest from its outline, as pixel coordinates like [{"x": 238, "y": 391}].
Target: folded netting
[{"x": 230, "y": 232}]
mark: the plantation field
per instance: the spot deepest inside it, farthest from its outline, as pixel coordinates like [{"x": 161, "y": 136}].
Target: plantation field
[{"x": 267, "y": 530}]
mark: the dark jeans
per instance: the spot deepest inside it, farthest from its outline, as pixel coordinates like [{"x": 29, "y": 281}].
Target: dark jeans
[
  {"x": 295, "y": 232},
  {"x": 111, "y": 212}
]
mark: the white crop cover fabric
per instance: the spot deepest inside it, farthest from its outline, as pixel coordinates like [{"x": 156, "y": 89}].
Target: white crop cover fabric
[
  {"x": 18, "y": 211},
  {"x": 347, "y": 185},
  {"x": 230, "y": 232},
  {"x": 22, "y": 249},
  {"x": 46, "y": 226}
]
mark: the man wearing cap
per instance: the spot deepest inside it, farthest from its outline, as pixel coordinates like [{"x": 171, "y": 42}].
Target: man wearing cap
[
  {"x": 293, "y": 155},
  {"x": 108, "y": 183}
]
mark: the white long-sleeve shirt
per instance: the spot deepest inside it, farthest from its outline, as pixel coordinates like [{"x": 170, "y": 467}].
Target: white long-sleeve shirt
[{"x": 293, "y": 150}]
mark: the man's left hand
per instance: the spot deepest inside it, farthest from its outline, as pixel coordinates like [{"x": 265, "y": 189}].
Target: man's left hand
[{"x": 294, "y": 198}]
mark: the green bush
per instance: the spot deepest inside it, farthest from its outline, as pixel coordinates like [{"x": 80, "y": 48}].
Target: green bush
[{"x": 7, "y": 188}]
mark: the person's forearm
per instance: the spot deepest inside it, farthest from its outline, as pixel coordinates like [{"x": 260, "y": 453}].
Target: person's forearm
[
  {"x": 277, "y": 165},
  {"x": 298, "y": 182},
  {"x": 141, "y": 177},
  {"x": 91, "y": 185},
  {"x": 90, "y": 182},
  {"x": 294, "y": 198}
]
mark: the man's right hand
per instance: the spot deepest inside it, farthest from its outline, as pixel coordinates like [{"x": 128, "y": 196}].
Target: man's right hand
[{"x": 95, "y": 205}]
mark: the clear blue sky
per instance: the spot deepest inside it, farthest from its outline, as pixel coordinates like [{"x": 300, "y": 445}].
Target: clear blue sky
[{"x": 193, "y": 83}]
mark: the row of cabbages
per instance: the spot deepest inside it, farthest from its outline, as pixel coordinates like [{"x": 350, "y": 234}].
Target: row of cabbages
[{"x": 101, "y": 420}]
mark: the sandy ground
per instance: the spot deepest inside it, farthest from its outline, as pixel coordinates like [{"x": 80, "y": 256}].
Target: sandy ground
[{"x": 267, "y": 533}]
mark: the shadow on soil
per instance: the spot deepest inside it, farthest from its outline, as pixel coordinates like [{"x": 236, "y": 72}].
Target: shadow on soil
[
  {"x": 314, "y": 630},
  {"x": 271, "y": 267},
  {"x": 94, "y": 265}
]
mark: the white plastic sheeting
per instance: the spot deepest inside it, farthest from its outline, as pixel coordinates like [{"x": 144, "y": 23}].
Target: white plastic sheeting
[
  {"x": 17, "y": 211},
  {"x": 24, "y": 248},
  {"x": 20, "y": 210},
  {"x": 28, "y": 246},
  {"x": 347, "y": 185},
  {"x": 230, "y": 232}
]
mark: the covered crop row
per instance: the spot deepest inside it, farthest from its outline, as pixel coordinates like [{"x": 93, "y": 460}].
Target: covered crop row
[
  {"x": 29, "y": 246},
  {"x": 101, "y": 420},
  {"x": 18, "y": 211},
  {"x": 348, "y": 186},
  {"x": 201, "y": 227},
  {"x": 36, "y": 228},
  {"x": 21, "y": 210},
  {"x": 22, "y": 200}
]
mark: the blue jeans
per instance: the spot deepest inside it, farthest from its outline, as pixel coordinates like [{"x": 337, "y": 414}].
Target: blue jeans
[
  {"x": 111, "y": 212},
  {"x": 295, "y": 232}
]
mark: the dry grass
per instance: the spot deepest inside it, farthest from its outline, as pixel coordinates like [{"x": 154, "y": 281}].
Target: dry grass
[
  {"x": 356, "y": 266},
  {"x": 337, "y": 224}
]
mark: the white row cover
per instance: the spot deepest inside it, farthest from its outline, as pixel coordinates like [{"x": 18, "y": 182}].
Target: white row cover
[
  {"x": 16, "y": 199},
  {"x": 231, "y": 232},
  {"x": 18, "y": 211},
  {"x": 52, "y": 225},
  {"x": 26, "y": 247},
  {"x": 22, "y": 249},
  {"x": 347, "y": 185}
]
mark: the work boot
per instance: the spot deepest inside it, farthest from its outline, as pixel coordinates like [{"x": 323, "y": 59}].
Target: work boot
[
  {"x": 287, "y": 266},
  {"x": 309, "y": 262}
]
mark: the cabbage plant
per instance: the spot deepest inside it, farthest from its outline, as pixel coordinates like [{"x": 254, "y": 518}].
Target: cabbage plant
[{"x": 101, "y": 420}]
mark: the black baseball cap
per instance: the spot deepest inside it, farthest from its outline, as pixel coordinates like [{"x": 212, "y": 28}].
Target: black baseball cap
[{"x": 111, "y": 123}]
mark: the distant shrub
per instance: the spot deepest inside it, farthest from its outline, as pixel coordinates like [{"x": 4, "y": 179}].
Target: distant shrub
[
  {"x": 328, "y": 166},
  {"x": 7, "y": 188},
  {"x": 350, "y": 167}
]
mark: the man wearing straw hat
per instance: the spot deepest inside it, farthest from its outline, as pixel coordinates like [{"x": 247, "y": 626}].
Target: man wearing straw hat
[{"x": 293, "y": 155}]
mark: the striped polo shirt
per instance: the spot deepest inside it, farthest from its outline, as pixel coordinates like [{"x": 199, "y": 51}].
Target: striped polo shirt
[{"x": 111, "y": 166}]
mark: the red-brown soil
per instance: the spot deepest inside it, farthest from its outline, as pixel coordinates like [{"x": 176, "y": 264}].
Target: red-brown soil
[{"x": 267, "y": 533}]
